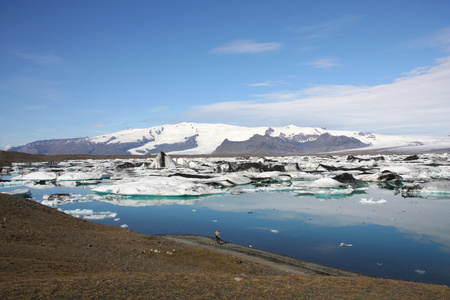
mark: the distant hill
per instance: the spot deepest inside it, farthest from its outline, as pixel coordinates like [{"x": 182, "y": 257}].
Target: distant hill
[
  {"x": 276, "y": 145},
  {"x": 198, "y": 139}
]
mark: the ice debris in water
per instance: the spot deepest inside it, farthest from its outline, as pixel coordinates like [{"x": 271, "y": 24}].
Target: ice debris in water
[
  {"x": 157, "y": 186},
  {"x": 370, "y": 201},
  {"x": 36, "y": 176},
  {"x": 124, "y": 226},
  {"x": 421, "y": 272},
  {"x": 274, "y": 230},
  {"x": 345, "y": 245},
  {"x": 90, "y": 214}
]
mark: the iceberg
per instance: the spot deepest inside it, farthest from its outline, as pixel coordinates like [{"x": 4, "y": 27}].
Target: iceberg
[
  {"x": 436, "y": 189},
  {"x": 90, "y": 214},
  {"x": 370, "y": 201},
  {"x": 333, "y": 193},
  {"x": 162, "y": 160},
  {"x": 25, "y": 193},
  {"x": 36, "y": 176},
  {"x": 80, "y": 176},
  {"x": 157, "y": 186},
  {"x": 326, "y": 183}
]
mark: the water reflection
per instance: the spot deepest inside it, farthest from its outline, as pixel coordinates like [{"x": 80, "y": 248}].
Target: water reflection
[{"x": 425, "y": 220}]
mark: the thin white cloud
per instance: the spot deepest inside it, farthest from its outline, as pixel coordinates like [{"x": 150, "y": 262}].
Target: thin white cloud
[
  {"x": 97, "y": 125},
  {"x": 324, "y": 63},
  {"x": 267, "y": 83},
  {"x": 412, "y": 104},
  {"x": 246, "y": 47},
  {"x": 43, "y": 59},
  {"x": 36, "y": 107},
  {"x": 33, "y": 87},
  {"x": 438, "y": 39},
  {"x": 324, "y": 29}
]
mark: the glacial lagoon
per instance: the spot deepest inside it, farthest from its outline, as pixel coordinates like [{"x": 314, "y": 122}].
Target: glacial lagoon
[{"x": 375, "y": 230}]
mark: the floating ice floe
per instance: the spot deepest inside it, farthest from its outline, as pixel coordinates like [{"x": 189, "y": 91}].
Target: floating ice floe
[
  {"x": 157, "y": 186},
  {"x": 436, "y": 189},
  {"x": 20, "y": 192},
  {"x": 371, "y": 201},
  {"x": 124, "y": 226},
  {"x": 143, "y": 200},
  {"x": 90, "y": 214},
  {"x": 385, "y": 176},
  {"x": 333, "y": 193},
  {"x": 162, "y": 160},
  {"x": 274, "y": 230},
  {"x": 222, "y": 180},
  {"x": 345, "y": 245},
  {"x": 54, "y": 200},
  {"x": 418, "y": 271},
  {"x": 36, "y": 176},
  {"x": 268, "y": 176},
  {"x": 326, "y": 183},
  {"x": 80, "y": 176}
]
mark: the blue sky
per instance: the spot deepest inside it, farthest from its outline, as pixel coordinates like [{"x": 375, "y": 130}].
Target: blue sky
[{"x": 84, "y": 68}]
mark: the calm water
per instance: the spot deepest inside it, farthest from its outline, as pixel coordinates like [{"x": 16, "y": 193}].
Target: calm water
[{"x": 406, "y": 238}]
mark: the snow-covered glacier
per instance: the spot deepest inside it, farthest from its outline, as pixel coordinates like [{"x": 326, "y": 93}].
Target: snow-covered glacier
[{"x": 202, "y": 138}]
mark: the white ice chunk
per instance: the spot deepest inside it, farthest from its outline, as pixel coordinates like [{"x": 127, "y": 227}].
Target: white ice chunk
[
  {"x": 90, "y": 214},
  {"x": 345, "y": 245},
  {"x": 162, "y": 160},
  {"x": 51, "y": 203},
  {"x": 79, "y": 212},
  {"x": 76, "y": 176},
  {"x": 433, "y": 189},
  {"x": 20, "y": 192},
  {"x": 371, "y": 201},
  {"x": 37, "y": 176},
  {"x": 157, "y": 186},
  {"x": 326, "y": 183}
]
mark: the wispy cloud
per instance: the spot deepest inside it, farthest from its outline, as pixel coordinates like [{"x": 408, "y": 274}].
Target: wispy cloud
[
  {"x": 246, "y": 47},
  {"x": 36, "y": 107},
  {"x": 33, "y": 87},
  {"x": 97, "y": 125},
  {"x": 420, "y": 100},
  {"x": 267, "y": 83},
  {"x": 324, "y": 63},
  {"x": 43, "y": 59},
  {"x": 439, "y": 39},
  {"x": 323, "y": 29}
]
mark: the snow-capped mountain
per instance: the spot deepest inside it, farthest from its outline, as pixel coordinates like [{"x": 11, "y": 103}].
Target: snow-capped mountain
[{"x": 195, "y": 138}]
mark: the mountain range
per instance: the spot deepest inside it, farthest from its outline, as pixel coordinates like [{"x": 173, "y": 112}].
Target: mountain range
[{"x": 195, "y": 139}]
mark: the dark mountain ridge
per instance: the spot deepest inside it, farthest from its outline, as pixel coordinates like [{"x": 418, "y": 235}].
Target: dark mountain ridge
[{"x": 266, "y": 144}]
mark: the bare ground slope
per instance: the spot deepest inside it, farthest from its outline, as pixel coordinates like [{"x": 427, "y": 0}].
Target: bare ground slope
[{"x": 47, "y": 254}]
